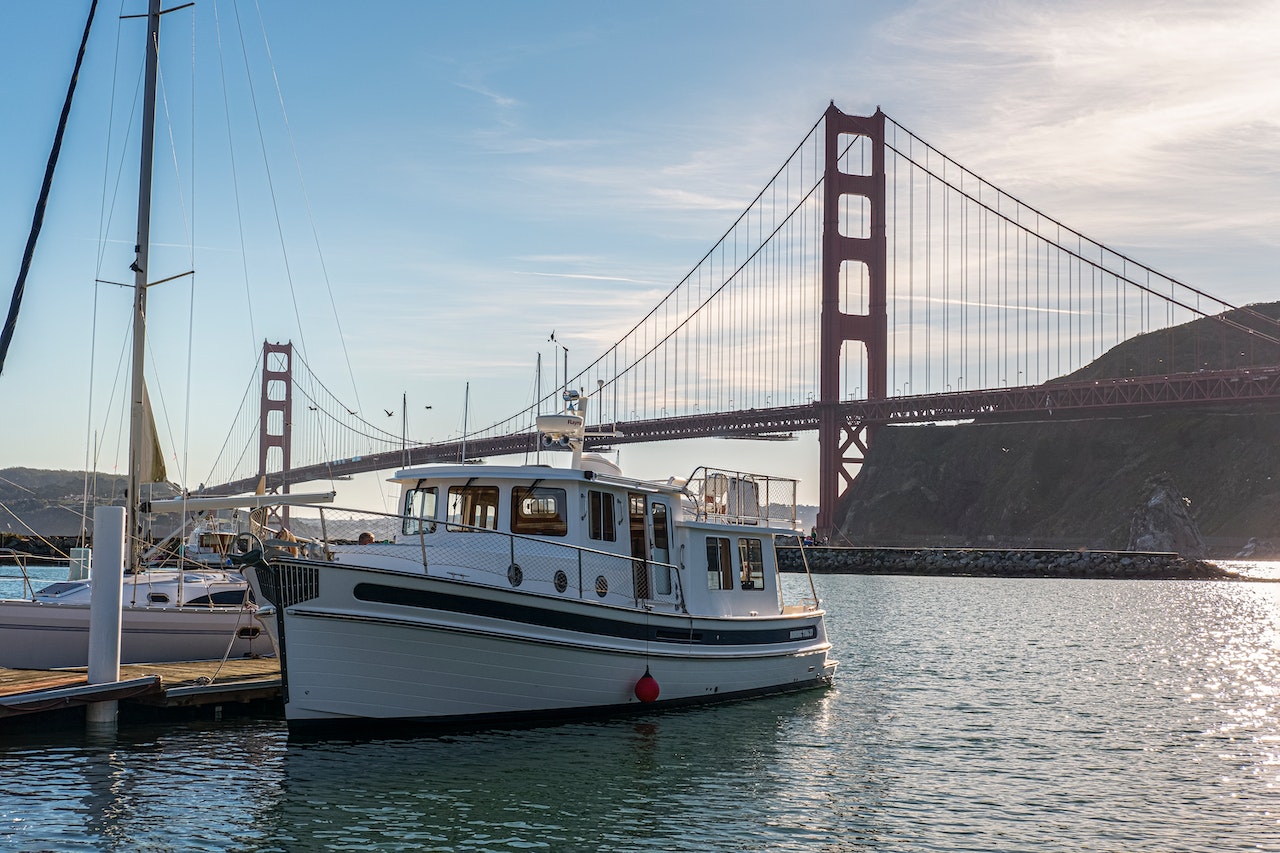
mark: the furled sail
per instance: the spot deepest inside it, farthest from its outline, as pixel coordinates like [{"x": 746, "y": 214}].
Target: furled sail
[{"x": 152, "y": 469}]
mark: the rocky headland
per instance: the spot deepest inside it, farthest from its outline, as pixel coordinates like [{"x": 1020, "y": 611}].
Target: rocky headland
[
  {"x": 1198, "y": 480},
  {"x": 971, "y": 562}
]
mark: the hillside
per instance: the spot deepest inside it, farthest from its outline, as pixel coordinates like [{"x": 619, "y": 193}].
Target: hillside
[
  {"x": 1070, "y": 482},
  {"x": 51, "y": 502}
]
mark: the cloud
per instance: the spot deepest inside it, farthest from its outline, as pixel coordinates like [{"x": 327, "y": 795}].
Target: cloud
[
  {"x": 498, "y": 100},
  {"x": 587, "y": 277},
  {"x": 1146, "y": 119}
]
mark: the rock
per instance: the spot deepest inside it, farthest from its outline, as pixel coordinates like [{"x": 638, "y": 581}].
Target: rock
[{"x": 1164, "y": 522}]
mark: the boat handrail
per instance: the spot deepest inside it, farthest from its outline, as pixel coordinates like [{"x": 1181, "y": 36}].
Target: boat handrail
[
  {"x": 740, "y": 497},
  {"x": 20, "y": 560},
  {"x": 322, "y": 546}
]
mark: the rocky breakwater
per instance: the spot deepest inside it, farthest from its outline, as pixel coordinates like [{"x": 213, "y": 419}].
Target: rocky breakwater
[{"x": 967, "y": 562}]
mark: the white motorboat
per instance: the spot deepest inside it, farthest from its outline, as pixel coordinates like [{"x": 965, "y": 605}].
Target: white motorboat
[{"x": 511, "y": 593}]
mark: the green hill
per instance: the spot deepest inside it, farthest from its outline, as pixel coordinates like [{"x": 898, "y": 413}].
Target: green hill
[{"x": 51, "y": 503}]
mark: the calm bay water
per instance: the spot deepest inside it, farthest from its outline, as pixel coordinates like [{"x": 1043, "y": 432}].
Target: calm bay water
[{"x": 969, "y": 714}]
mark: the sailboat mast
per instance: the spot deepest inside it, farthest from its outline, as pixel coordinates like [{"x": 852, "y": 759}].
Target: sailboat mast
[{"x": 138, "y": 444}]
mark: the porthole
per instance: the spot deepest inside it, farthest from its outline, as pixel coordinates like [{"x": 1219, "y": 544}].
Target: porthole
[
  {"x": 602, "y": 586},
  {"x": 158, "y": 598},
  {"x": 561, "y": 581},
  {"x": 515, "y": 574}
]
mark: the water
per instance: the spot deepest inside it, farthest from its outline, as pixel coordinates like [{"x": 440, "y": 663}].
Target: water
[
  {"x": 969, "y": 714},
  {"x": 39, "y": 575}
]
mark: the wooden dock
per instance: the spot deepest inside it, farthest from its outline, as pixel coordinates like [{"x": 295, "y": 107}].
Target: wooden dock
[{"x": 158, "y": 685}]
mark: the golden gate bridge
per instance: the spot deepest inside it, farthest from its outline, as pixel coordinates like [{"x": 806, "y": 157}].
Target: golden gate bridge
[{"x": 873, "y": 280}]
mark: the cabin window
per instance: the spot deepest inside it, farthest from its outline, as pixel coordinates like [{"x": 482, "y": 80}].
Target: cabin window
[
  {"x": 661, "y": 552},
  {"x": 225, "y": 597},
  {"x": 601, "y": 524},
  {"x": 661, "y": 537},
  {"x": 217, "y": 541},
  {"x": 472, "y": 507},
  {"x": 538, "y": 511},
  {"x": 420, "y": 511},
  {"x": 719, "y": 563},
  {"x": 751, "y": 553}
]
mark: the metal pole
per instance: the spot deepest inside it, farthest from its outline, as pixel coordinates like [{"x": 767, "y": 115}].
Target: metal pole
[
  {"x": 537, "y": 395},
  {"x": 466, "y": 401},
  {"x": 137, "y": 440}
]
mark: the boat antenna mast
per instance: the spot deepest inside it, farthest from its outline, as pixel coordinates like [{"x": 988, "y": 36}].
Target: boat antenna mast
[{"x": 568, "y": 430}]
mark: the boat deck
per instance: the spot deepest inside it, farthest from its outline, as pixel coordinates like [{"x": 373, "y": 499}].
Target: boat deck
[{"x": 163, "y": 685}]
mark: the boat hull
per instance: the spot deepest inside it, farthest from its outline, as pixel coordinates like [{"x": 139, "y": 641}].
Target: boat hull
[
  {"x": 38, "y": 635},
  {"x": 363, "y": 645}
]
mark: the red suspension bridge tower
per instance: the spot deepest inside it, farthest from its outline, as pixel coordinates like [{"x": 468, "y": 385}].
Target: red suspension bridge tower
[
  {"x": 843, "y": 443},
  {"x": 275, "y": 424}
]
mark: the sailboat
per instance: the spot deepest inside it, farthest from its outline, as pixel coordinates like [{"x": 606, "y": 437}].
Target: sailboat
[{"x": 200, "y": 609}]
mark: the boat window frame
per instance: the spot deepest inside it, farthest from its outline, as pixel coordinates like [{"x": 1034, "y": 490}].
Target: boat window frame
[
  {"x": 751, "y": 560},
  {"x": 602, "y": 525},
  {"x": 720, "y": 575},
  {"x": 525, "y": 523},
  {"x": 412, "y": 524},
  {"x": 462, "y": 518},
  {"x": 660, "y": 525}
]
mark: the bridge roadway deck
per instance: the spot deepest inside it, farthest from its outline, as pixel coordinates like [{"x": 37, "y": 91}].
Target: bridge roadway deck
[{"x": 1252, "y": 385}]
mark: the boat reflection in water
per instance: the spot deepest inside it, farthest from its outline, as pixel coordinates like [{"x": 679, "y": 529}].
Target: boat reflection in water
[{"x": 702, "y": 779}]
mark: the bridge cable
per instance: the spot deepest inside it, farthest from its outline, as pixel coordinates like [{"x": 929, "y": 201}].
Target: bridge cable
[{"x": 1123, "y": 258}]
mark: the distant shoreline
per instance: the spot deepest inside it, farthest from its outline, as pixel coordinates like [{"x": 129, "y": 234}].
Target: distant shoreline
[
  {"x": 957, "y": 562},
  {"x": 1002, "y": 563}
]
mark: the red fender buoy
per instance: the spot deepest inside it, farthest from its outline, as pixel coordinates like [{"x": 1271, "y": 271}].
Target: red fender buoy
[{"x": 647, "y": 687}]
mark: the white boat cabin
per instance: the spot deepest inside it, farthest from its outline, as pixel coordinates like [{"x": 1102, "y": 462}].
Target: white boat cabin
[{"x": 704, "y": 546}]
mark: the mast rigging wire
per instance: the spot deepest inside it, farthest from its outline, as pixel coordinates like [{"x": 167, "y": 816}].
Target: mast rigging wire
[{"x": 37, "y": 218}]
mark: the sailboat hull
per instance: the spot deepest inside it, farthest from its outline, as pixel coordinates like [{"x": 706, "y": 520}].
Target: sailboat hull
[{"x": 37, "y": 635}]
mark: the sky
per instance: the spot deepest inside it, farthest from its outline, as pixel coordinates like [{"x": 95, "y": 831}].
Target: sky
[{"x": 449, "y": 183}]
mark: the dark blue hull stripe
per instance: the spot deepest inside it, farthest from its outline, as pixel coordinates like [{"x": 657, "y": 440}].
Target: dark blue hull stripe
[{"x": 581, "y": 623}]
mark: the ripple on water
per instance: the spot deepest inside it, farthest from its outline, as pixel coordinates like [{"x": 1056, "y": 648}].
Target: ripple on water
[{"x": 968, "y": 714}]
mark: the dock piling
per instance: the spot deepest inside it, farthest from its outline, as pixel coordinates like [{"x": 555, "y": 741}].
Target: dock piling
[{"x": 104, "y": 609}]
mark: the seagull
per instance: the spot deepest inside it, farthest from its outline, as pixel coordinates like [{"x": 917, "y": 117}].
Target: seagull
[
  {"x": 389, "y": 412},
  {"x": 314, "y": 408}
]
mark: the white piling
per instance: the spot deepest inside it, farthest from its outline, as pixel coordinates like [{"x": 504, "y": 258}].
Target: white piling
[{"x": 104, "y": 608}]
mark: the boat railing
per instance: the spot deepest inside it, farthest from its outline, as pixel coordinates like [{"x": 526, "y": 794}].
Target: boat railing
[
  {"x": 466, "y": 552},
  {"x": 739, "y": 497},
  {"x": 21, "y": 560},
  {"x": 17, "y": 559}
]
